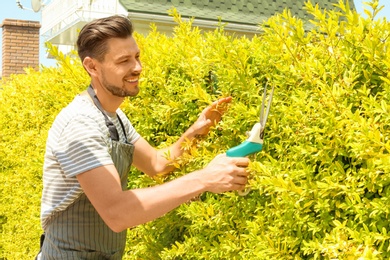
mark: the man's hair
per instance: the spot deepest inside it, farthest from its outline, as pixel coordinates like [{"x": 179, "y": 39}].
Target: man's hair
[{"x": 93, "y": 37}]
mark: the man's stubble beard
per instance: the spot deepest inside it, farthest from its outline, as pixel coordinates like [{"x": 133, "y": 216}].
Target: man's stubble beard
[{"x": 118, "y": 91}]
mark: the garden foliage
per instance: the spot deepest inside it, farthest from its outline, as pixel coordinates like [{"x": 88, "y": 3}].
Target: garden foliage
[{"x": 321, "y": 185}]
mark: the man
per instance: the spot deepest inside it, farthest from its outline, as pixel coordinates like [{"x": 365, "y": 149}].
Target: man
[{"x": 86, "y": 208}]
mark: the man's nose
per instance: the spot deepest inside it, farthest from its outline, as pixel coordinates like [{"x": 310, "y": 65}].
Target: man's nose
[{"x": 138, "y": 66}]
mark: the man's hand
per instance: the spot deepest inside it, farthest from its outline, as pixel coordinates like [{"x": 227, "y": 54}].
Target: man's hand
[
  {"x": 210, "y": 116},
  {"x": 225, "y": 174}
]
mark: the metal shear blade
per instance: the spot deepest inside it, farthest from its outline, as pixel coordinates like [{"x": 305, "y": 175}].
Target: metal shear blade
[{"x": 263, "y": 118}]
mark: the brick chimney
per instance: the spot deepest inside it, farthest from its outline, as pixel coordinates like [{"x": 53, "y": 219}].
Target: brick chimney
[{"x": 20, "y": 46}]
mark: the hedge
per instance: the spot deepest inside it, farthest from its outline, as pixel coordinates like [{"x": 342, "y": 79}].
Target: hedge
[{"x": 321, "y": 185}]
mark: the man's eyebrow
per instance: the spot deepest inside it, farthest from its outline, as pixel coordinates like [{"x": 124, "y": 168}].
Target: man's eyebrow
[{"x": 125, "y": 56}]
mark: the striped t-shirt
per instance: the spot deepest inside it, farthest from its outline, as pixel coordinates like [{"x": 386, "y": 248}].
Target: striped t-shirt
[{"x": 78, "y": 141}]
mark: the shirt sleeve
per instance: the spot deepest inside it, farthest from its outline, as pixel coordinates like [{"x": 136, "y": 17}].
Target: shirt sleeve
[{"x": 83, "y": 145}]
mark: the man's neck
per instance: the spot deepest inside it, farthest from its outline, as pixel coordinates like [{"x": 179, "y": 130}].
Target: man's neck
[{"x": 109, "y": 102}]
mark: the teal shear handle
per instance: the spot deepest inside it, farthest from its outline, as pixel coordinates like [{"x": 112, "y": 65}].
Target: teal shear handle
[
  {"x": 250, "y": 146},
  {"x": 244, "y": 149}
]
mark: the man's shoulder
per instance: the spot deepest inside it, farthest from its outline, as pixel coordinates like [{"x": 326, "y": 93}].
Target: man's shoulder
[
  {"x": 76, "y": 116},
  {"x": 80, "y": 107}
]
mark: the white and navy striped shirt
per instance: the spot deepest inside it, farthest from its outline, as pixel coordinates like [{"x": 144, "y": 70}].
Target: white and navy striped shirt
[{"x": 78, "y": 141}]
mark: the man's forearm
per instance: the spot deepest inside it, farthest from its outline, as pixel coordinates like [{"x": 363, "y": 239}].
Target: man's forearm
[
  {"x": 168, "y": 155},
  {"x": 142, "y": 205}
]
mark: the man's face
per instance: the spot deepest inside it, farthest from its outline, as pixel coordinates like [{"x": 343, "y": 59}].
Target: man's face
[{"x": 121, "y": 67}]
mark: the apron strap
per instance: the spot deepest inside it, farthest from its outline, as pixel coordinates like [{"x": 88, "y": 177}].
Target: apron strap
[{"x": 111, "y": 127}]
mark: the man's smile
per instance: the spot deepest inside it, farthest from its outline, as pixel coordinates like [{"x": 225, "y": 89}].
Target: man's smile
[{"x": 132, "y": 80}]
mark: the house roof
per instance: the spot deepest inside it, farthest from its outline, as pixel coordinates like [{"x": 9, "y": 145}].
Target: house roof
[{"x": 249, "y": 12}]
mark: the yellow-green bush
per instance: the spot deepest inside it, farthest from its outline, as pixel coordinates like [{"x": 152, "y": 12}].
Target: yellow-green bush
[
  {"x": 320, "y": 187},
  {"x": 29, "y": 104}
]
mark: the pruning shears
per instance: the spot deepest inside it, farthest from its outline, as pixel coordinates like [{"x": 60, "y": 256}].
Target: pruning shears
[{"x": 254, "y": 142}]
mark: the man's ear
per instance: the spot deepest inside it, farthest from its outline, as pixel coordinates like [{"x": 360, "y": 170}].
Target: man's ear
[{"x": 90, "y": 65}]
